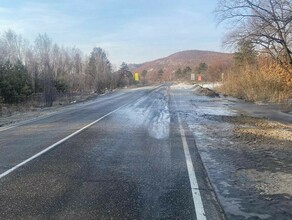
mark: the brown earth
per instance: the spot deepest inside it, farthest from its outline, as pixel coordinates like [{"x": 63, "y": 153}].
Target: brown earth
[
  {"x": 269, "y": 145},
  {"x": 261, "y": 156}
]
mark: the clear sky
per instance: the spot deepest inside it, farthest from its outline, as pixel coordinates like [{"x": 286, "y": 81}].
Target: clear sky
[{"x": 133, "y": 31}]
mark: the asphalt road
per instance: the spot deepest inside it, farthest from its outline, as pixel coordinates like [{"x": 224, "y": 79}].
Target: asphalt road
[{"x": 138, "y": 160}]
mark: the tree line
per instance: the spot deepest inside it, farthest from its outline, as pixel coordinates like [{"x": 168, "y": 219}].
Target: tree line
[
  {"x": 48, "y": 69},
  {"x": 261, "y": 33},
  {"x": 265, "y": 24}
]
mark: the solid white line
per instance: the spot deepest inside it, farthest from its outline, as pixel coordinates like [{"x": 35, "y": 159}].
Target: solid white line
[
  {"x": 17, "y": 124},
  {"x": 65, "y": 109},
  {"x": 57, "y": 143},
  {"x": 199, "y": 207}
]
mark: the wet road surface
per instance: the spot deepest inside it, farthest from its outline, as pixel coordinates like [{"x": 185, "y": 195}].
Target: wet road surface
[{"x": 131, "y": 164}]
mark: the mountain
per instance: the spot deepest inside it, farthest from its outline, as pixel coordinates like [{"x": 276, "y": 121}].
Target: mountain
[{"x": 191, "y": 58}]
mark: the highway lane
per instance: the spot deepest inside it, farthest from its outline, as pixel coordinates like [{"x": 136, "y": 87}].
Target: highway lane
[
  {"x": 25, "y": 140},
  {"x": 129, "y": 165}
]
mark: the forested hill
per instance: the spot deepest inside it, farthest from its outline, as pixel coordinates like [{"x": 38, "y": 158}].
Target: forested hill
[{"x": 183, "y": 59}]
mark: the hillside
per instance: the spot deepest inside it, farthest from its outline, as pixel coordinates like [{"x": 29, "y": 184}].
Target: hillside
[{"x": 191, "y": 58}]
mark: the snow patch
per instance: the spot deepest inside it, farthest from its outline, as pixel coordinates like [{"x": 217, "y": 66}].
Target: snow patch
[
  {"x": 158, "y": 127},
  {"x": 181, "y": 86},
  {"x": 212, "y": 85},
  {"x": 158, "y": 124},
  {"x": 150, "y": 112}
]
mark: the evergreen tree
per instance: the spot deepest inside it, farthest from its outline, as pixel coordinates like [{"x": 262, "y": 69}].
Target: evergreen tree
[
  {"x": 125, "y": 75},
  {"x": 14, "y": 82}
]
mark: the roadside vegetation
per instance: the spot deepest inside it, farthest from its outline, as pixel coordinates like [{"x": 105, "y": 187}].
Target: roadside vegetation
[
  {"x": 261, "y": 32},
  {"x": 43, "y": 73}
]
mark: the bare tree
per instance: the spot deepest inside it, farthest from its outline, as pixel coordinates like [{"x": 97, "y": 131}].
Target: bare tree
[
  {"x": 12, "y": 47},
  {"x": 76, "y": 81},
  {"x": 54, "y": 69},
  {"x": 265, "y": 23},
  {"x": 32, "y": 68},
  {"x": 43, "y": 48}
]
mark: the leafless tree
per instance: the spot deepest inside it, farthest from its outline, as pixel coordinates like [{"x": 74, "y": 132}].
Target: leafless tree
[
  {"x": 53, "y": 70},
  {"x": 265, "y": 23},
  {"x": 12, "y": 47},
  {"x": 43, "y": 48},
  {"x": 76, "y": 75},
  {"x": 32, "y": 68}
]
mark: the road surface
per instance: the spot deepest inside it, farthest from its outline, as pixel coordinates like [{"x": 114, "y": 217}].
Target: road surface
[{"x": 126, "y": 155}]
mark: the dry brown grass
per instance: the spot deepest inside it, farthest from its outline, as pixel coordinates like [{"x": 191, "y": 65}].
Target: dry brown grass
[{"x": 266, "y": 82}]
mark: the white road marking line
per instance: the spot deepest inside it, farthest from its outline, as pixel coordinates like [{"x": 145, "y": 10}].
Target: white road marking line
[
  {"x": 199, "y": 207},
  {"x": 17, "y": 124},
  {"x": 66, "y": 109},
  {"x": 57, "y": 143},
  {"x": 69, "y": 108}
]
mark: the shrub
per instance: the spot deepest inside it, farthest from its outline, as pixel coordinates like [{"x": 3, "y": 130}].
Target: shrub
[
  {"x": 14, "y": 83},
  {"x": 267, "y": 82}
]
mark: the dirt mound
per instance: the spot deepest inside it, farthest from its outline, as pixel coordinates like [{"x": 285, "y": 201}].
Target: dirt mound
[{"x": 199, "y": 90}]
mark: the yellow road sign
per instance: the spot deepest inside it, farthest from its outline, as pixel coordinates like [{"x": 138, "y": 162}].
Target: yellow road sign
[{"x": 136, "y": 76}]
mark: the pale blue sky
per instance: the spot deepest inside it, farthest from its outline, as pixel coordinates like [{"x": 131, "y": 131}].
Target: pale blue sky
[{"x": 133, "y": 31}]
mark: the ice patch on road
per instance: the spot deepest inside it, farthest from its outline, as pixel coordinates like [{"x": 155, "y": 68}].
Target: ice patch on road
[
  {"x": 158, "y": 127},
  {"x": 158, "y": 123},
  {"x": 136, "y": 113},
  {"x": 150, "y": 112}
]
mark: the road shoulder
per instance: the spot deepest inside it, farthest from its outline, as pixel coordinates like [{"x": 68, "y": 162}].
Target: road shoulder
[{"x": 248, "y": 159}]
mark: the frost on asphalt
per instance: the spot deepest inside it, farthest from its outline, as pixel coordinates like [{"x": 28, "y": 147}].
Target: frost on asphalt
[{"x": 154, "y": 117}]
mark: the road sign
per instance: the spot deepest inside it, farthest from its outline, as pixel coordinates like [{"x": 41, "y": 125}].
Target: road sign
[
  {"x": 193, "y": 77},
  {"x": 136, "y": 76}
]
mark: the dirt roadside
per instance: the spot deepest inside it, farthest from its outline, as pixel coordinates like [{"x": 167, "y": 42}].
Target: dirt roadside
[
  {"x": 260, "y": 152},
  {"x": 247, "y": 152}
]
